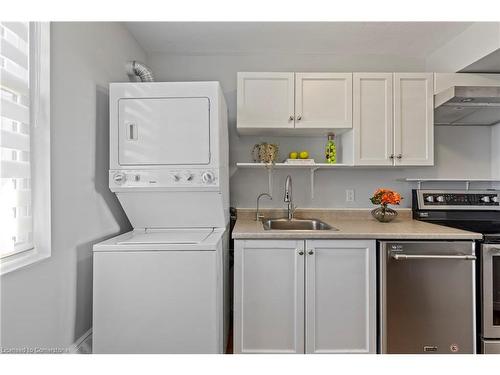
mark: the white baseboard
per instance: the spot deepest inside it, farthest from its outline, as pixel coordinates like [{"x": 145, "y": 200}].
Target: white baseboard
[{"x": 83, "y": 345}]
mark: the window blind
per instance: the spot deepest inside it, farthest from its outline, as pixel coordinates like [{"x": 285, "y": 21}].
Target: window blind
[{"x": 16, "y": 221}]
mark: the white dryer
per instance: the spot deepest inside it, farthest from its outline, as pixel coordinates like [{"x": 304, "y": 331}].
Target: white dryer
[{"x": 162, "y": 288}]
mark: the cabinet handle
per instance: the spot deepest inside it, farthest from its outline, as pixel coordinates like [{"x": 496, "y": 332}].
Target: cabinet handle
[
  {"x": 290, "y": 118},
  {"x": 399, "y": 156},
  {"x": 310, "y": 252},
  {"x": 299, "y": 117},
  {"x": 391, "y": 156},
  {"x": 301, "y": 252}
]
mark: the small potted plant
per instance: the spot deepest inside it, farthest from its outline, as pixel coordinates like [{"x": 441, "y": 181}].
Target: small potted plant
[{"x": 384, "y": 197}]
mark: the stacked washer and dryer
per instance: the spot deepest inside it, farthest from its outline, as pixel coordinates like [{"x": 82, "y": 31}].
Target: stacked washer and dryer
[{"x": 162, "y": 288}]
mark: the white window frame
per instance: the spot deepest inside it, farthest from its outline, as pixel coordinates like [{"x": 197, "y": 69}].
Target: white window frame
[{"x": 39, "y": 151}]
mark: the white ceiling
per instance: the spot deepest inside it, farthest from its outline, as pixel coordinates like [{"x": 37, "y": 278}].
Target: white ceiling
[{"x": 409, "y": 39}]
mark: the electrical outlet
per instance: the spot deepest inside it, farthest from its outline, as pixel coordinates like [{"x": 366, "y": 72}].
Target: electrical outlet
[{"x": 349, "y": 195}]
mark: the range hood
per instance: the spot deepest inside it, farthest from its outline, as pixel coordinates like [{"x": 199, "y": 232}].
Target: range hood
[{"x": 467, "y": 105}]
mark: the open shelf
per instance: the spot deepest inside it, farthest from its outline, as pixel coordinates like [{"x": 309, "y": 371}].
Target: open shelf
[
  {"x": 467, "y": 181},
  {"x": 293, "y": 166}
]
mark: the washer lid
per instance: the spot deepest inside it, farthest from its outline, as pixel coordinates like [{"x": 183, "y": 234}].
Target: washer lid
[{"x": 167, "y": 236}]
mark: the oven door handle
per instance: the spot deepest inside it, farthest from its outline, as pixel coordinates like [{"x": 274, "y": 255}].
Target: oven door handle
[{"x": 421, "y": 256}]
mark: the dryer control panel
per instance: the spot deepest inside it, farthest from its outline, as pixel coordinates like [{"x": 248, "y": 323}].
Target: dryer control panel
[{"x": 198, "y": 178}]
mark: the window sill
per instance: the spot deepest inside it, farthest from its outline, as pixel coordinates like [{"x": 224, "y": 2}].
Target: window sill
[{"x": 22, "y": 260}]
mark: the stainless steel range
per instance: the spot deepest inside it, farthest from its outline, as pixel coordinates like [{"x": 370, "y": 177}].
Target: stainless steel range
[{"x": 478, "y": 211}]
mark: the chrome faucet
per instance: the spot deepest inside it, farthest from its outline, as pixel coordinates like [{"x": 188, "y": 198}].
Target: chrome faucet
[
  {"x": 257, "y": 215},
  {"x": 288, "y": 197}
]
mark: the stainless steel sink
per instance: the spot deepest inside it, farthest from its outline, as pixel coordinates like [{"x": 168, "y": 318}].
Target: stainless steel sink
[{"x": 296, "y": 224}]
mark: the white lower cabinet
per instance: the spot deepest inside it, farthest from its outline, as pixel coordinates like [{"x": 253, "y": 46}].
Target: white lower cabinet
[
  {"x": 313, "y": 296},
  {"x": 269, "y": 297},
  {"x": 340, "y": 296}
]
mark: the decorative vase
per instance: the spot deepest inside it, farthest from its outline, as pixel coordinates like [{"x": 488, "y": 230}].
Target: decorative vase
[
  {"x": 384, "y": 214},
  {"x": 265, "y": 153}
]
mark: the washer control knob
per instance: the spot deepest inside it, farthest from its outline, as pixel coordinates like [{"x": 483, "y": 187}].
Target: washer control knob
[
  {"x": 485, "y": 199},
  {"x": 208, "y": 177},
  {"x": 440, "y": 198},
  {"x": 119, "y": 178},
  {"x": 187, "y": 176}
]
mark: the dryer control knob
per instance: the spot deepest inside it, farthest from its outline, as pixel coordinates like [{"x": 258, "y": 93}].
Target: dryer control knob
[
  {"x": 187, "y": 176},
  {"x": 119, "y": 178},
  {"x": 208, "y": 177}
]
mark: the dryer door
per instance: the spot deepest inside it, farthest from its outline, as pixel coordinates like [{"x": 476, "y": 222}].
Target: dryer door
[{"x": 164, "y": 131}]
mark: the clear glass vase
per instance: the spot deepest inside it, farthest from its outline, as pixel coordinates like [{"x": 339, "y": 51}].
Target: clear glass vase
[{"x": 384, "y": 214}]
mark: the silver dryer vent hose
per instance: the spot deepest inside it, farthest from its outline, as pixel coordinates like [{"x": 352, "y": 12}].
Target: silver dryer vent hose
[{"x": 138, "y": 69}]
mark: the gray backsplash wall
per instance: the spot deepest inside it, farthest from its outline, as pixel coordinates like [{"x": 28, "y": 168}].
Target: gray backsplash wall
[{"x": 459, "y": 151}]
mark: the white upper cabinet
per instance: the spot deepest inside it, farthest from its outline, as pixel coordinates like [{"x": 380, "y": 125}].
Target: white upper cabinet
[
  {"x": 391, "y": 114},
  {"x": 265, "y": 101},
  {"x": 323, "y": 100},
  {"x": 414, "y": 118},
  {"x": 294, "y": 103},
  {"x": 373, "y": 118},
  {"x": 393, "y": 119}
]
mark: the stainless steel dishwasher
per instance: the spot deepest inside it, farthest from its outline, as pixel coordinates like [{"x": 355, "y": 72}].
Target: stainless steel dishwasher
[{"x": 427, "y": 297}]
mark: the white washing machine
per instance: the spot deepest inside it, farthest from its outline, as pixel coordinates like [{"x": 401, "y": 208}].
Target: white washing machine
[{"x": 162, "y": 288}]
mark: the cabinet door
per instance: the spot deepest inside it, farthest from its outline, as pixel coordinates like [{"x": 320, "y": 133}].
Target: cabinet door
[
  {"x": 373, "y": 119},
  {"x": 265, "y": 100},
  {"x": 269, "y": 296},
  {"x": 323, "y": 100},
  {"x": 413, "y": 119},
  {"x": 340, "y": 296}
]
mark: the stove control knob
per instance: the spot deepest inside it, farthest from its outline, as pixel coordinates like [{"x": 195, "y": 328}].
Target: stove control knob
[
  {"x": 208, "y": 177},
  {"x": 175, "y": 177},
  {"x": 485, "y": 199},
  {"x": 495, "y": 199},
  {"x": 187, "y": 176},
  {"x": 440, "y": 198},
  {"x": 119, "y": 178},
  {"x": 429, "y": 198}
]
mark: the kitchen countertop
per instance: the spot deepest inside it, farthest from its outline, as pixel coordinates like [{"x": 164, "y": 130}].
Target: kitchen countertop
[{"x": 354, "y": 224}]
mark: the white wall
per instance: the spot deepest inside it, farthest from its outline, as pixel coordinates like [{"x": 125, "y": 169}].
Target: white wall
[
  {"x": 477, "y": 41},
  {"x": 49, "y": 304},
  {"x": 495, "y": 151},
  {"x": 460, "y": 151}
]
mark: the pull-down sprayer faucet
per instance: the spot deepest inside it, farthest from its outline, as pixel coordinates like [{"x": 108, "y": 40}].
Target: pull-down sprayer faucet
[{"x": 288, "y": 197}]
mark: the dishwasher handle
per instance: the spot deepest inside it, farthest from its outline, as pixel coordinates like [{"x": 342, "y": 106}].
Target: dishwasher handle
[{"x": 429, "y": 256}]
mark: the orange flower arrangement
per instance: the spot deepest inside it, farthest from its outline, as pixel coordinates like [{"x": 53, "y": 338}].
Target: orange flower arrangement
[{"x": 385, "y": 197}]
